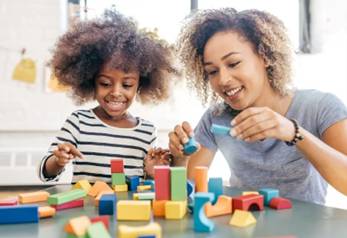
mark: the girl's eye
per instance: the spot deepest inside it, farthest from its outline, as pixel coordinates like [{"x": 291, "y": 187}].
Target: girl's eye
[
  {"x": 127, "y": 85},
  {"x": 104, "y": 84}
]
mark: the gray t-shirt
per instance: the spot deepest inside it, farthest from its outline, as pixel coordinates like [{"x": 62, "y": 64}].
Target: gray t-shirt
[{"x": 271, "y": 163}]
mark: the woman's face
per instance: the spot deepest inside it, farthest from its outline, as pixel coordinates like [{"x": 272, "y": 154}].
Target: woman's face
[{"x": 235, "y": 71}]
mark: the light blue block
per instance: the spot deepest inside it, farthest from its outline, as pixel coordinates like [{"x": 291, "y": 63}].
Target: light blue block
[
  {"x": 220, "y": 130},
  {"x": 215, "y": 186},
  {"x": 268, "y": 193},
  {"x": 201, "y": 222},
  {"x": 190, "y": 147},
  {"x": 149, "y": 182},
  {"x": 19, "y": 214}
]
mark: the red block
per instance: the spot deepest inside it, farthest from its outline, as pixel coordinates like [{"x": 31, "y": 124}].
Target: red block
[
  {"x": 104, "y": 219},
  {"x": 9, "y": 201},
  {"x": 162, "y": 182},
  {"x": 117, "y": 166},
  {"x": 68, "y": 205},
  {"x": 248, "y": 202},
  {"x": 280, "y": 203}
]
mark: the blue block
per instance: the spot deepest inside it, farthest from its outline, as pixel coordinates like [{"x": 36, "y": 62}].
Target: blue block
[
  {"x": 147, "y": 236},
  {"x": 190, "y": 187},
  {"x": 133, "y": 182},
  {"x": 190, "y": 147},
  {"x": 19, "y": 214},
  {"x": 107, "y": 204},
  {"x": 268, "y": 193},
  {"x": 215, "y": 186},
  {"x": 149, "y": 182},
  {"x": 201, "y": 222},
  {"x": 220, "y": 130}
]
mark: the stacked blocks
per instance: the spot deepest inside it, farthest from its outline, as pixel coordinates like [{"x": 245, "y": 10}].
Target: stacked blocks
[
  {"x": 178, "y": 183},
  {"x": 201, "y": 222},
  {"x": 66, "y": 200},
  {"x": 107, "y": 204},
  {"x": 133, "y": 182},
  {"x": 268, "y": 194},
  {"x": 200, "y": 177},
  {"x": 118, "y": 176},
  {"x": 215, "y": 186},
  {"x": 162, "y": 182}
]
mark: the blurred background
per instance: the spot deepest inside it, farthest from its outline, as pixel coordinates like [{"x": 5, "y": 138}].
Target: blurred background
[{"x": 33, "y": 108}]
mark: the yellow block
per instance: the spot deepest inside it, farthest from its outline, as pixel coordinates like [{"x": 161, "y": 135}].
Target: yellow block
[
  {"x": 38, "y": 196},
  {"x": 46, "y": 211},
  {"x": 133, "y": 210},
  {"x": 121, "y": 188},
  {"x": 175, "y": 209},
  {"x": 250, "y": 192},
  {"x": 83, "y": 184},
  {"x": 141, "y": 188},
  {"x": 242, "y": 218},
  {"x": 125, "y": 231},
  {"x": 78, "y": 225},
  {"x": 97, "y": 199},
  {"x": 25, "y": 71}
]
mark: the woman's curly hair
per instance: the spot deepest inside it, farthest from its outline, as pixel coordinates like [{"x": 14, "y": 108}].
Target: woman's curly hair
[
  {"x": 264, "y": 31},
  {"x": 116, "y": 40}
]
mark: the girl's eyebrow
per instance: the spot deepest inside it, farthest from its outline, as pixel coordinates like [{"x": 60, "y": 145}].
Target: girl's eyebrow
[{"x": 223, "y": 57}]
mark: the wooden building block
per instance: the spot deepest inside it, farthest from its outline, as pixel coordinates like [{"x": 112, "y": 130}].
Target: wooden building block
[
  {"x": 153, "y": 229},
  {"x": 19, "y": 214},
  {"x": 65, "y": 197},
  {"x": 133, "y": 182},
  {"x": 162, "y": 182},
  {"x": 149, "y": 182},
  {"x": 107, "y": 204},
  {"x": 249, "y": 192},
  {"x": 175, "y": 209},
  {"x": 99, "y": 186},
  {"x": 133, "y": 210},
  {"x": 46, "y": 211},
  {"x": 121, "y": 188},
  {"x": 78, "y": 225},
  {"x": 201, "y": 222},
  {"x": 190, "y": 147},
  {"x": 141, "y": 188},
  {"x": 223, "y": 206},
  {"x": 158, "y": 207},
  {"x": 242, "y": 219},
  {"x": 118, "y": 179},
  {"x": 280, "y": 203},
  {"x": 11, "y": 201},
  {"x": 117, "y": 166},
  {"x": 98, "y": 230},
  {"x": 268, "y": 194},
  {"x": 190, "y": 188},
  {"x": 215, "y": 186},
  {"x": 144, "y": 196},
  {"x": 248, "y": 202},
  {"x": 33, "y": 197},
  {"x": 220, "y": 130},
  {"x": 200, "y": 177},
  {"x": 69, "y": 205},
  {"x": 97, "y": 198},
  {"x": 178, "y": 183},
  {"x": 104, "y": 219},
  {"x": 83, "y": 184}
]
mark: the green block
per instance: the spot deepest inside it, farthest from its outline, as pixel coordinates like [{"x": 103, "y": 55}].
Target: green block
[
  {"x": 74, "y": 236},
  {"x": 98, "y": 230},
  {"x": 64, "y": 197},
  {"x": 178, "y": 183},
  {"x": 118, "y": 179}
]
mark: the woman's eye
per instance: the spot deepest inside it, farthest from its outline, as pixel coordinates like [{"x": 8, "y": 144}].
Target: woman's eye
[{"x": 234, "y": 64}]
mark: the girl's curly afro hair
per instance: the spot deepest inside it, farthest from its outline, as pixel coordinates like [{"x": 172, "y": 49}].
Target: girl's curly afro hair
[
  {"x": 82, "y": 51},
  {"x": 264, "y": 31}
]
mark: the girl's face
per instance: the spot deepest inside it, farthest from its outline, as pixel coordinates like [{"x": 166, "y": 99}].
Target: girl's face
[
  {"x": 115, "y": 91},
  {"x": 235, "y": 71}
]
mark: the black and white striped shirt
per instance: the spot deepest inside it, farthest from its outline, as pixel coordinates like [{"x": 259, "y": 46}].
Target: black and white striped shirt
[{"x": 99, "y": 143}]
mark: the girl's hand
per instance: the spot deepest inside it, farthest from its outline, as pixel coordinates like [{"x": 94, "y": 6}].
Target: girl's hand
[
  {"x": 259, "y": 123},
  {"x": 156, "y": 156},
  {"x": 66, "y": 152}
]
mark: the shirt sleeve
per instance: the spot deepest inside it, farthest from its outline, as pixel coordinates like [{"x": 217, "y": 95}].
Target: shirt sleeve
[
  {"x": 154, "y": 139},
  {"x": 331, "y": 110},
  {"x": 202, "y": 132},
  {"x": 69, "y": 133}
]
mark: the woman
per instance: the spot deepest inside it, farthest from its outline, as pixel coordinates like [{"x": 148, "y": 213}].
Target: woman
[{"x": 293, "y": 140}]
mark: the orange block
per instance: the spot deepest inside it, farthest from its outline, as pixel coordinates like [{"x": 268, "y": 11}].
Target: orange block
[
  {"x": 99, "y": 186},
  {"x": 223, "y": 206},
  {"x": 78, "y": 225},
  {"x": 97, "y": 198},
  {"x": 200, "y": 176},
  {"x": 38, "y": 196},
  {"x": 46, "y": 211},
  {"x": 159, "y": 208}
]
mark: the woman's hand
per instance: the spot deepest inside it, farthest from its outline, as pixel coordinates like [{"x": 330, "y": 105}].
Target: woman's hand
[
  {"x": 64, "y": 153},
  {"x": 156, "y": 156},
  {"x": 259, "y": 123}
]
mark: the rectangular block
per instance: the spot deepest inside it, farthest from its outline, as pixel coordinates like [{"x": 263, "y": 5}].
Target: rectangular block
[
  {"x": 97, "y": 198},
  {"x": 69, "y": 205},
  {"x": 175, "y": 209},
  {"x": 118, "y": 179},
  {"x": 178, "y": 183},
  {"x": 215, "y": 186},
  {"x": 121, "y": 188},
  {"x": 9, "y": 201},
  {"x": 117, "y": 166},
  {"x": 141, "y": 188},
  {"x": 32, "y": 197},
  {"x": 65, "y": 197},
  {"x": 98, "y": 230},
  {"x": 104, "y": 219},
  {"x": 162, "y": 182},
  {"x": 132, "y": 210},
  {"x": 152, "y": 229},
  {"x": 46, "y": 211},
  {"x": 19, "y": 214},
  {"x": 133, "y": 182},
  {"x": 144, "y": 196},
  {"x": 158, "y": 207},
  {"x": 78, "y": 225},
  {"x": 83, "y": 184},
  {"x": 107, "y": 204},
  {"x": 201, "y": 177}
]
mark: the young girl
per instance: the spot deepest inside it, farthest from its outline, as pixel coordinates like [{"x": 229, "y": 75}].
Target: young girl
[
  {"x": 292, "y": 140},
  {"x": 108, "y": 60}
]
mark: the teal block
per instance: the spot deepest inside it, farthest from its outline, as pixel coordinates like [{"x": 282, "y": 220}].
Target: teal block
[
  {"x": 149, "y": 182},
  {"x": 178, "y": 183},
  {"x": 220, "y": 130},
  {"x": 201, "y": 222},
  {"x": 59, "y": 198},
  {"x": 268, "y": 194},
  {"x": 190, "y": 147},
  {"x": 215, "y": 186}
]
